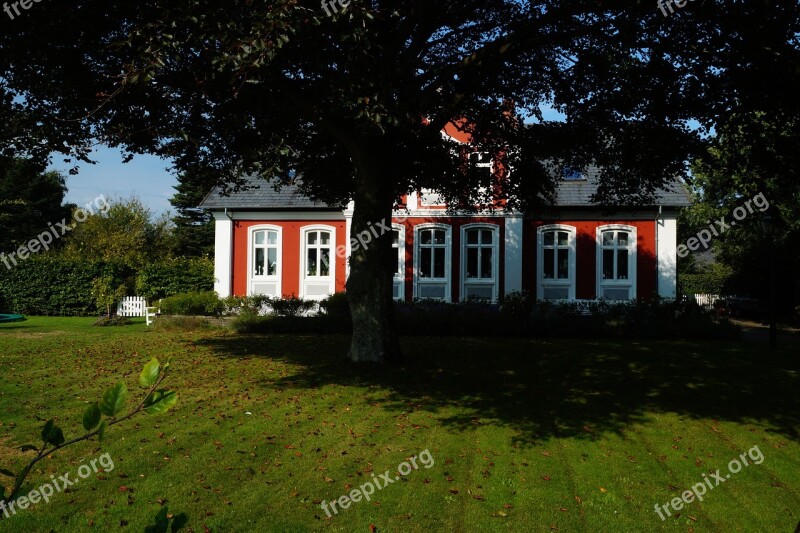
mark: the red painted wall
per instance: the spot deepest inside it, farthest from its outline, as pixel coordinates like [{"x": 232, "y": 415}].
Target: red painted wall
[
  {"x": 290, "y": 253},
  {"x": 586, "y": 255},
  {"x": 585, "y": 249}
]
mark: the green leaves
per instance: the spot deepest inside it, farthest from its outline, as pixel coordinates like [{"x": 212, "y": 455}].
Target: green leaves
[
  {"x": 52, "y": 434},
  {"x": 91, "y": 417},
  {"x": 114, "y": 400},
  {"x": 160, "y": 401},
  {"x": 101, "y": 431},
  {"x": 150, "y": 373}
]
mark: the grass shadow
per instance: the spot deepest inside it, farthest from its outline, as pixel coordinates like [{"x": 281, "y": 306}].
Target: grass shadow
[{"x": 548, "y": 388}]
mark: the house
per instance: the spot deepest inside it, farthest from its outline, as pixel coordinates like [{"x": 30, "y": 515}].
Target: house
[{"x": 282, "y": 243}]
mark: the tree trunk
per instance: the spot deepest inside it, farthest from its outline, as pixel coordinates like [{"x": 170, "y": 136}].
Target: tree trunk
[{"x": 369, "y": 286}]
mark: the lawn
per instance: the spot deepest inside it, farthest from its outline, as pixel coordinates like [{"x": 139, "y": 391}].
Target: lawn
[{"x": 525, "y": 435}]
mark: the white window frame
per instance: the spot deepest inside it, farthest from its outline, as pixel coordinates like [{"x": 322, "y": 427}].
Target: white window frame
[
  {"x": 251, "y": 275},
  {"x": 629, "y": 283},
  {"x": 331, "y": 277},
  {"x": 495, "y": 279},
  {"x": 569, "y": 283},
  {"x": 448, "y": 260},
  {"x": 400, "y": 278}
]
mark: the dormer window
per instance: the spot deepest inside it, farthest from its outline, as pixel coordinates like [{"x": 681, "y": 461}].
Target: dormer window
[{"x": 573, "y": 174}]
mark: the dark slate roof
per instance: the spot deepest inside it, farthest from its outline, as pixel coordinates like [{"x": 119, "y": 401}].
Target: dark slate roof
[
  {"x": 573, "y": 193},
  {"x": 261, "y": 195},
  {"x": 578, "y": 193}
]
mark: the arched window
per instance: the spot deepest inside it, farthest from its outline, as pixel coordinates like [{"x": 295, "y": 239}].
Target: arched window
[
  {"x": 432, "y": 262},
  {"x": 318, "y": 263},
  {"x": 264, "y": 260},
  {"x": 556, "y": 262},
  {"x": 479, "y": 261},
  {"x": 616, "y": 262}
]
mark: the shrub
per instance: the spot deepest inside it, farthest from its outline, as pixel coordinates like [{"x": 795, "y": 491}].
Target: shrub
[
  {"x": 112, "y": 321},
  {"x": 654, "y": 318},
  {"x": 181, "y": 323},
  {"x": 517, "y": 303},
  {"x": 336, "y": 305},
  {"x": 193, "y": 303},
  {"x": 175, "y": 276},
  {"x": 291, "y": 306}
]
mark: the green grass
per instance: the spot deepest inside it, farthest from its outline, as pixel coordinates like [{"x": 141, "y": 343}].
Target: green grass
[{"x": 526, "y": 435}]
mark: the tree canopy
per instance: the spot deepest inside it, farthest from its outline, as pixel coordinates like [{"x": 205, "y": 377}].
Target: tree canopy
[
  {"x": 355, "y": 102},
  {"x": 30, "y": 198}
]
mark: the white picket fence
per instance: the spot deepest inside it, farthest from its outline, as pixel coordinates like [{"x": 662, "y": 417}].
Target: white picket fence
[
  {"x": 706, "y": 300},
  {"x": 132, "y": 306}
]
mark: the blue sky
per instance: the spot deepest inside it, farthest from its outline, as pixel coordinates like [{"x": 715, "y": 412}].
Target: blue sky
[{"x": 146, "y": 177}]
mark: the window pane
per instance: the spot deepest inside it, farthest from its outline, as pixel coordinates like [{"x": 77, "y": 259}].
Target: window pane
[
  {"x": 312, "y": 237},
  {"x": 549, "y": 238},
  {"x": 259, "y": 236},
  {"x": 396, "y": 261},
  {"x": 608, "y": 264},
  {"x": 472, "y": 236},
  {"x": 486, "y": 236},
  {"x": 396, "y": 237},
  {"x": 563, "y": 238},
  {"x": 425, "y": 263},
  {"x": 622, "y": 238},
  {"x": 312, "y": 262},
  {"x": 608, "y": 238},
  {"x": 272, "y": 237},
  {"x": 548, "y": 271},
  {"x": 325, "y": 264},
  {"x": 438, "y": 262},
  {"x": 272, "y": 261},
  {"x": 259, "y": 262},
  {"x": 563, "y": 263},
  {"x": 325, "y": 237},
  {"x": 439, "y": 236},
  {"x": 425, "y": 236},
  {"x": 486, "y": 263},
  {"x": 622, "y": 264},
  {"x": 472, "y": 262}
]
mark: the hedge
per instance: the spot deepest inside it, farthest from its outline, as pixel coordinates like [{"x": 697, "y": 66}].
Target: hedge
[
  {"x": 50, "y": 285},
  {"x": 53, "y": 286},
  {"x": 175, "y": 276}
]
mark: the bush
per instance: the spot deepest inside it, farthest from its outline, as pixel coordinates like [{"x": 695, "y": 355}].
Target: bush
[
  {"x": 291, "y": 306},
  {"x": 181, "y": 323},
  {"x": 115, "y": 320},
  {"x": 175, "y": 276},
  {"x": 656, "y": 318},
  {"x": 296, "y": 325},
  {"x": 336, "y": 305},
  {"x": 192, "y": 303},
  {"x": 517, "y": 303}
]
